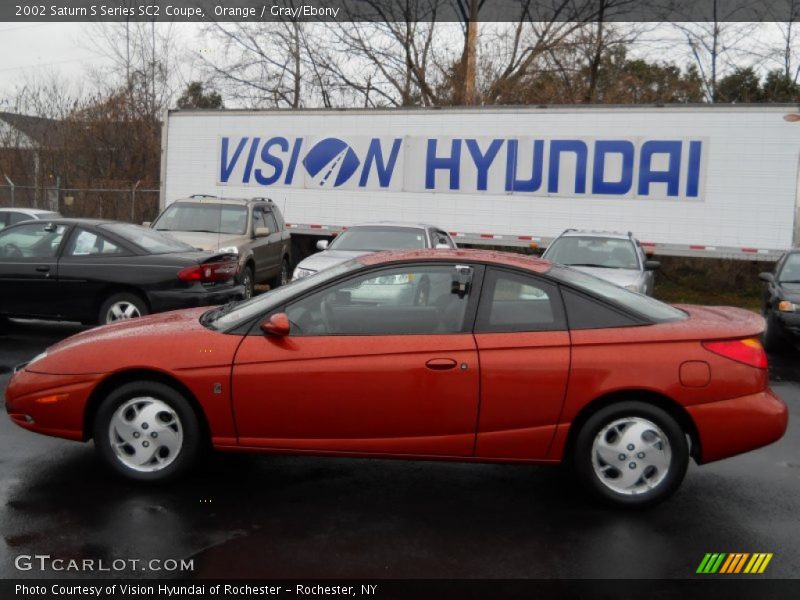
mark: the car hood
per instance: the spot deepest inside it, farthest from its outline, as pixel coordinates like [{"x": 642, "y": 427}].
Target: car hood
[
  {"x": 162, "y": 342},
  {"x": 620, "y": 277},
  {"x": 329, "y": 258},
  {"x": 206, "y": 241},
  {"x": 791, "y": 292}
]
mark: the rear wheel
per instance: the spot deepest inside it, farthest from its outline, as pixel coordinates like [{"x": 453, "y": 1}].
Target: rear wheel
[
  {"x": 773, "y": 338},
  {"x": 121, "y": 307},
  {"x": 282, "y": 278},
  {"x": 631, "y": 454},
  {"x": 147, "y": 431}
]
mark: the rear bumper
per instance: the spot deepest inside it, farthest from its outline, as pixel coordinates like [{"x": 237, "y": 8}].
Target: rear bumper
[
  {"x": 197, "y": 295},
  {"x": 738, "y": 425}
]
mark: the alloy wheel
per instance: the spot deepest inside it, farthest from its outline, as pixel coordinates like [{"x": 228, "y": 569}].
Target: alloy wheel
[{"x": 146, "y": 434}]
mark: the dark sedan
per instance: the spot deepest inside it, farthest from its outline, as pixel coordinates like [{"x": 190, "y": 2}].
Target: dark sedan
[
  {"x": 103, "y": 271},
  {"x": 781, "y": 306}
]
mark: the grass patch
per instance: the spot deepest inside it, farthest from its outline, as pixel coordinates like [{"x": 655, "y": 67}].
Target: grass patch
[{"x": 680, "y": 293}]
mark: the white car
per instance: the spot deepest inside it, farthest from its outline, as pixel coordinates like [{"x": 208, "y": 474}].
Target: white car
[
  {"x": 364, "y": 238},
  {"x": 12, "y": 216}
]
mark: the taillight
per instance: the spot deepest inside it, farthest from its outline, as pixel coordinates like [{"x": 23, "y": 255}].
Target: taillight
[
  {"x": 748, "y": 351},
  {"x": 210, "y": 272}
]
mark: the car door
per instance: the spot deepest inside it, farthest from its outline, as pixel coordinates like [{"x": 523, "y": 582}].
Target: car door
[
  {"x": 524, "y": 349},
  {"x": 84, "y": 271},
  {"x": 382, "y": 363},
  {"x": 29, "y": 268},
  {"x": 274, "y": 242},
  {"x": 260, "y": 245}
]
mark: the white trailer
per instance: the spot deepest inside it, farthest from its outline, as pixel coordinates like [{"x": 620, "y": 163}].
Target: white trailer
[{"x": 714, "y": 181}]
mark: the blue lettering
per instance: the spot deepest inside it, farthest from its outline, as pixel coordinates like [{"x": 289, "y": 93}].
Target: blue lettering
[
  {"x": 580, "y": 150},
  {"x": 693, "y": 179},
  {"x": 298, "y": 142},
  {"x": 483, "y": 161},
  {"x": 524, "y": 185},
  {"x": 273, "y": 161},
  {"x": 671, "y": 176},
  {"x": 384, "y": 170},
  {"x": 599, "y": 183},
  {"x": 248, "y": 167},
  {"x": 451, "y": 163},
  {"x": 226, "y": 167}
]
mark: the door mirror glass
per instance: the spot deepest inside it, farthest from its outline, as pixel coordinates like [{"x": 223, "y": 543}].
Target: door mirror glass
[
  {"x": 277, "y": 324},
  {"x": 145, "y": 223},
  {"x": 261, "y": 232},
  {"x": 322, "y": 244}
]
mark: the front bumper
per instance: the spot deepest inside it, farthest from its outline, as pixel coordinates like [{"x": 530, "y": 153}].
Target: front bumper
[
  {"x": 790, "y": 323},
  {"x": 738, "y": 425},
  {"x": 197, "y": 295},
  {"x": 50, "y": 404}
]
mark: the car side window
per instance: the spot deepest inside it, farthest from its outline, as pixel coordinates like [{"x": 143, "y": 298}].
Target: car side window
[
  {"x": 35, "y": 240},
  {"x": 587, "y": 313},
  {"x": 416, "y": 299},
  {"x": 269, "y": 219},
  {"x": 86, "y": 243},
  {"x": 512, "y": 302},
  {"x": 441, "y": 238},
  {"x": 258, "y": 219},
  {"x": 17, "y": 217}
]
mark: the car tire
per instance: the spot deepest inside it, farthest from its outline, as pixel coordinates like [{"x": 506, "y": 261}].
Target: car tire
[
  {"x": 121, "y": 307},
  {"x": 283, "y": 276},
  {"x": 773, "y": 338},
  {"x": 249, "y": 282},
  {"x": 611, "y": 454},
  {"x": 153, "y": 420}
]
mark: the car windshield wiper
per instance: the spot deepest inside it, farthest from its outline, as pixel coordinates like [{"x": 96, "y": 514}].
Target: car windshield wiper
[
  {"x": 216, "y": 313},
  {"x": 789, "y": 281}
]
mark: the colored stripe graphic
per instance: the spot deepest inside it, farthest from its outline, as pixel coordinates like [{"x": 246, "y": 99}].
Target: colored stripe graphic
[
  {"x": 734, "y": 563},
  {"x": 711, "y": 563}
]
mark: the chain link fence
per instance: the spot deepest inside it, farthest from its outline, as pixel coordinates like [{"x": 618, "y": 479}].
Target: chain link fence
[{"x": 130, "y": 205}]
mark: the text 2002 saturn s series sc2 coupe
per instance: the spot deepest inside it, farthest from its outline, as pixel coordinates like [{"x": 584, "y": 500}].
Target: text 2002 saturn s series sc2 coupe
[{"x": 446, "y": 354}]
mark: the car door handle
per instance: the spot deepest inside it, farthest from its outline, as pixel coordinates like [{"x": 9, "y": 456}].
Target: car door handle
[
  {"x": 43, "y": 269},
  {"x": 441, "y": 364}
]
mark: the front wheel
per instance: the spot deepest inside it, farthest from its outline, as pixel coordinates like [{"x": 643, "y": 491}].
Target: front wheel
[
  {"x": 147, "y": 431},
  {"x": 248, "y": 281},
  {"x": 631, "y": 454}
]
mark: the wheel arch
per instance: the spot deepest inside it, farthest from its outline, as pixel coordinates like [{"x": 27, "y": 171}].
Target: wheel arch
[
  {"x": 119, "y": 288},
  {"x": 117, "y": 379},
  {"x": 670, "y": 406}
]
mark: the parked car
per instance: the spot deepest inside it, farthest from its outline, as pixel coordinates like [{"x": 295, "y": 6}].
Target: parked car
[
  {"x": 781, "y": 303},
  {"x": 364, "y": 238},
  {"x": 12, "y": 216},
  {"x": 508, "y": 359},
  {"x": 103, "y": 271},
  {"x": 615, "y": 257},
  {"x": 254, "y": 229}
]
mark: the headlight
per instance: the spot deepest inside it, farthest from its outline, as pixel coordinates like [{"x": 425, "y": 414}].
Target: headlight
[
  {"x": 229, "y": 250},
  {"x": 300, "y": 273},
  {"x": 786, "y": 306}
]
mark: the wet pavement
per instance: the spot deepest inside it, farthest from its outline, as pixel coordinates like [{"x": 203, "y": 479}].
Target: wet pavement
[{"x": 282, "y": 517}]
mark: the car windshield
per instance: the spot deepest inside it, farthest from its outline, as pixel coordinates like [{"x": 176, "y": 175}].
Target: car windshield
[
  {"x": 790, "y": 273},
  {"x": 227, "y": 317},
  {"x": 374, "y": 239},
  {"x": 148, "y": 240},
  {"x": 203, "y": 217},
  {"x": 648, "y": 307},
  {"x": 592, "y": 251}
]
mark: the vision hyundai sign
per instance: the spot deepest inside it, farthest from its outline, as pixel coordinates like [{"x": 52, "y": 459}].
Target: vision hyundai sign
[{"x": 650, "y": 169}]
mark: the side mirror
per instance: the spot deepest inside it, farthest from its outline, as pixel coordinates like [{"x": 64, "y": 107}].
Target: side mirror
[
  {"x": 322, "y": 244},
  {"x": 651, "y": 265},
  {"x": 768, "y": 277},
  {"x": 441, "y": 247},
  {"x": 146, "y": 223},
  {"x": 277, "y": 324},
  {"x": 260, "y": 232}
]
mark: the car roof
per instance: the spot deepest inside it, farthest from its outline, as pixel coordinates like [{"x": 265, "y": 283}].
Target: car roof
[
  {"x": 494, "y": 257},
  {"x": 594, "y": 233},
  {"x": 204, "y": 199},
  {"x": 89, "y": 222},
  {"x": 391, "y": 224},
  {"x": 27, "y": 211}
]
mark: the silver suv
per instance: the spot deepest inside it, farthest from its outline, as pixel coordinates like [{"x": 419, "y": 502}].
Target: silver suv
[
  {"x": 364, "y": 238},
  {"x": 615, "y": 257},
  {"x": 254, "y": 229}
]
